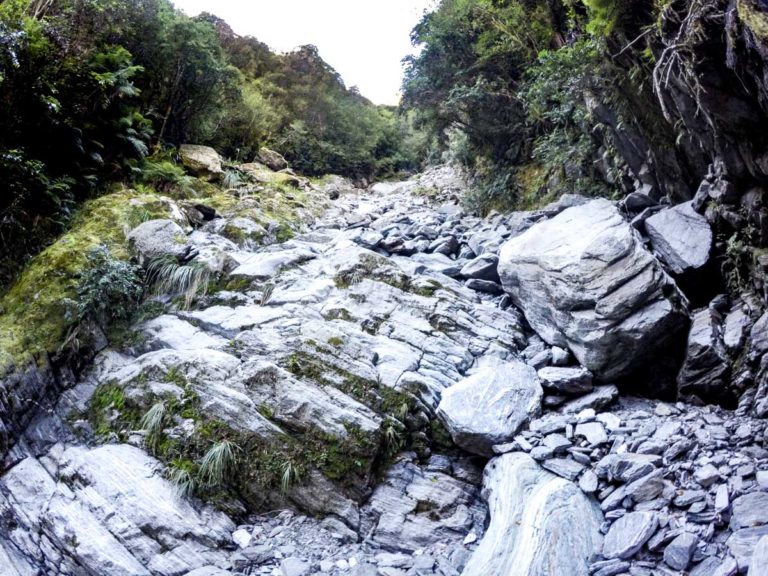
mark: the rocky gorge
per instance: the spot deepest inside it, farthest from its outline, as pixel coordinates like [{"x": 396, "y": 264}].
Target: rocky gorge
[{"x": 405, "y": 388}]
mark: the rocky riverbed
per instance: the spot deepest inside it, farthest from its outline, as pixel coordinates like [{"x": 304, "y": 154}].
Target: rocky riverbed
[{"x": 408, "y": 389}]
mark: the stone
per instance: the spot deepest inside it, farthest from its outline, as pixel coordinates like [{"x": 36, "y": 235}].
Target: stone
[
  {"x": 568, "y": 469},
  {"x": 242, "y": 538},
  {"x": 158, "y": 239},
  {"x": 293, "y": 566},
  {"x": 584, "y": 281},
  {"x": 540, "y": 524},
  {"x": 566, "y": 380},
  {"x": 588, "y": 482},
  {"x": 628, "y": 534},
  {"x": 600, "y": 397},
  {"x": 483, "y": 268},
  {"x": 646, "y": 488},
  {"x": 593, "y": 432},
  {"x": 758, "y": 564},
  {"x": 742, "y": 543},
  {"x": 490, "y": 406},
  {"x": 202, "y": 161},
  {"x": 706, "y": 475},
  {"x": 713, "y": 566},
  {"x": 678, "y": 553},
  {"x": 749, "y": 511},
  {"x": 706, "y": 370},
  {"x": 681, "y": 237},
  {"x": 271, "y": 159}
]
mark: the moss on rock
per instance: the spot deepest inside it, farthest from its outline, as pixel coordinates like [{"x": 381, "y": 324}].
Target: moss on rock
[{"x": 33, "y": 315}]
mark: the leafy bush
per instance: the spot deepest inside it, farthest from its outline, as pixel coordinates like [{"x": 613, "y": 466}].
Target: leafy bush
[{"x": 108, "y": 289}]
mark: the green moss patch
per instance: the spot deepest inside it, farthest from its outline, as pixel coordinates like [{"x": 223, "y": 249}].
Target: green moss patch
[{"x": 32, "y": 313}]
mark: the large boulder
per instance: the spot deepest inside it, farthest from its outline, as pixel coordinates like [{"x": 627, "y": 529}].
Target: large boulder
[
  {"x": 705, "y": 373},
  {"x": 490, "y": 406},
  {"x": 159, "y": 239},
  {"x": 540, "y": 523},
  {"x": 584, "y": 281},
  {"x": 681, "y": 237},
  {"x": 271, "y": 159},
  {"x": 201, "y": 161}
]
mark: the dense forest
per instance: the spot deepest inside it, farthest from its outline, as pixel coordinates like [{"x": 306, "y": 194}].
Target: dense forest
[{"x": 98, "y": 91}]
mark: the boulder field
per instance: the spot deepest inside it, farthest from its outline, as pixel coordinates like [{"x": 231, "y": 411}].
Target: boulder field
[{"x": 406, "y": 389}]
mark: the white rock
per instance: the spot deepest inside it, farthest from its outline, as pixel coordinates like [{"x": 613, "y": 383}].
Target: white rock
[
  {"x": 490, "y": 407},
  {"x": 540, "y": 523}
]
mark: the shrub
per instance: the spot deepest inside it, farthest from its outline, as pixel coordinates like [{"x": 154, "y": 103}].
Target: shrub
[{"x": 108, "y": 289}]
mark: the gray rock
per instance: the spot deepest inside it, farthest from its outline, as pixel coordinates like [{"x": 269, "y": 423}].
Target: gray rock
[
  {"x": 706, "y": 475},
  {"x": 706, "y": 369},
  {"x": 584, "y": 281},
  {"x": 540, "y": 524},
  {"x": 598, "y": 398},
  {"x": 271, "y": 159},
  {"x": 490, "y": 407},
  {"x": 758, "y": 564},
  {"x": 201, "y": 161},
  {"x": 588, "y": 482},
  {"x": 568, "y": 469},
  {"x": 681, "y": 237},
  {"x": 715, "y": 567},
  {"x": 646, "y": 488},
  {"x": 750, "y": 511},
  {"x": 678, "y": 553},
  {"x": 293, "y": 566},
  {"x": 628, "y": 534},
  {"x": 158, "y": 239},
  {"x": 566, "y": 380},
  {"x": 593, "y": 432},
  {"x": 742, "y": 543},
  {"x": 483, "y": 268}
]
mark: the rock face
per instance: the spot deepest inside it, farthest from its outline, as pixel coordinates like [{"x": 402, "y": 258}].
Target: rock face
[
  {"x": 681, "y": 237},
  {"x": 490, "y": 406},
  {"x": 585, "y": 282},
  {"x": 109, "y": 511},
  {"x": 540, "y": 524},
  {"x": 201, "y": 161}
]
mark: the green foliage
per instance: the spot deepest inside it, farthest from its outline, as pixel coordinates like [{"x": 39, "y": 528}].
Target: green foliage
[
  {"x": 152, "y": 423},
  {"x": 163, "y": 175},
  {"x": 108, "y": 289},
  {"x": 108, "y": 82},
  {"x": 218, "y": 463}
]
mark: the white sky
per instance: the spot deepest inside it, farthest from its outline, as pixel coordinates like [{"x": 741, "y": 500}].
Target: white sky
[{"x": 364, "y": 40}]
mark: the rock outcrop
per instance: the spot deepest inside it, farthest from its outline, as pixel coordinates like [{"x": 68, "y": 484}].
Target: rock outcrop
[{"x": 585, "y": 282}]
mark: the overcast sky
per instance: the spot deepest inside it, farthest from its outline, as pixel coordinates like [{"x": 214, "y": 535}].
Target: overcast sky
[{"x": 364, "y": 40}]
